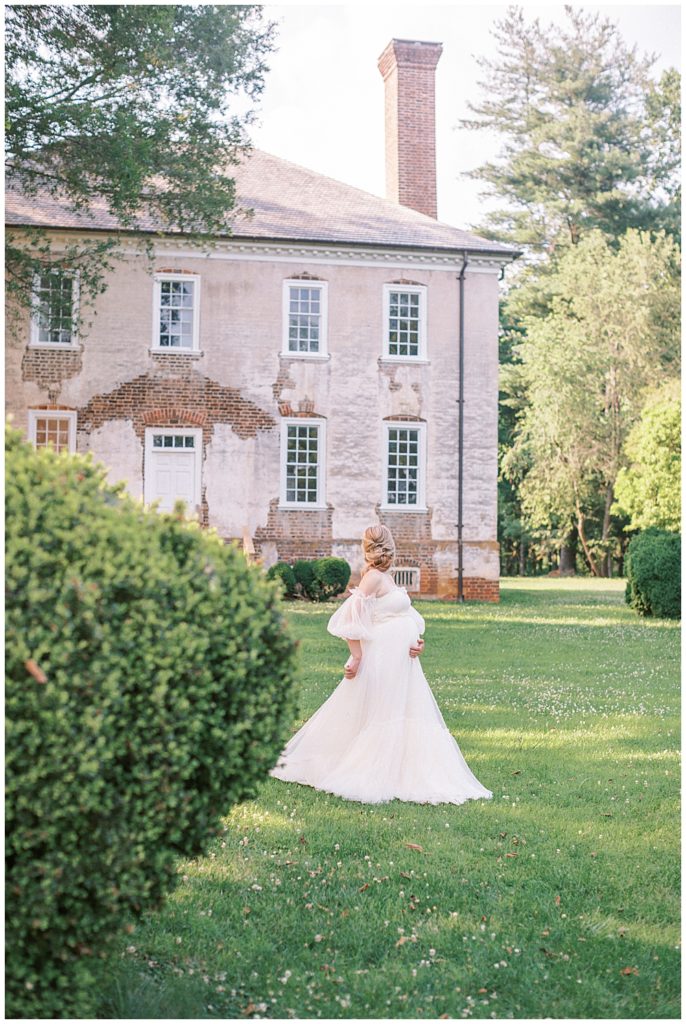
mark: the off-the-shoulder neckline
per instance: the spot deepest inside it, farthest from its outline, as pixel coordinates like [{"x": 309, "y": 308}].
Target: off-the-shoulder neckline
[{"x": 381, "y": 597}]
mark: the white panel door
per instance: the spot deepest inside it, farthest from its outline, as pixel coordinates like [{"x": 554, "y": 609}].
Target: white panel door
[{"x": 172, "y": 467}]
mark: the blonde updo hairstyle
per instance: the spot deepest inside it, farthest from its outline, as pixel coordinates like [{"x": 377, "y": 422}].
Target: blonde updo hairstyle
[{"x": 378, "y": 547}]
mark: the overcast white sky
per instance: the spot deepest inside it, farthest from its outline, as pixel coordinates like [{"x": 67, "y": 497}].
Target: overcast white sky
[{"x": 323, "y": 103}]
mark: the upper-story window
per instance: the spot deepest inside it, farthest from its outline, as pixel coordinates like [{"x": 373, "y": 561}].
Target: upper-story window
[
  {"x": 405, "y": 322},
  {"x": 405, "y": 466},
  {"x": 176, "y": 314},
  {"x": 303, "y": 451},
  {"x": 305, "y": 318},
  {"x": 55, "y": 306},
  {"x": 56, "y": 429}
]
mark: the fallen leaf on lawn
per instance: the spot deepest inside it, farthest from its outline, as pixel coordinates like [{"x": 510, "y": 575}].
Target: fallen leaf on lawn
[
  {"x": 35, "y": 670},
  {"x": 446, "y": 1016},
  {"x": 404, "y": 874},
  {"x": 518, "y": 772},
  {"x": 606, "y": 814},
  {"x": 549, "y": 953},
  {"x": 545, "y": 932},
  {"x": 557, "y": 901},
  {"x": 502, "y": 834},
  {"x": 250, "y": 1008},
  {"x": 593, "y": 853},
  {"x": 345, "y": 913},
  {"x": 302, "y": 840},
  {"x": 511, "y": 854},
  {"x": 482, "y": 990},
  {"x": 363, "y": 887},
  {"x": 327, "y": 909},
  {"x": 246, "y": 910},
  {"x": 629, "y": 970},
  {"x": 414, "y": 846}
]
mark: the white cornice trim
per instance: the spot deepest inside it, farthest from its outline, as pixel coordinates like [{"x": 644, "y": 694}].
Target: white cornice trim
[{"x": 315, "y": 253}]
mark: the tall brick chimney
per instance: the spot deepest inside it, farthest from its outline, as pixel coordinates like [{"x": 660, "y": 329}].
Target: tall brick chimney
[{"x": 409, "y": 71}]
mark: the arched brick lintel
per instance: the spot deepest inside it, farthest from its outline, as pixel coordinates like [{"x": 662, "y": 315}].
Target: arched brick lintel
[{"x": 171, "y": 415}]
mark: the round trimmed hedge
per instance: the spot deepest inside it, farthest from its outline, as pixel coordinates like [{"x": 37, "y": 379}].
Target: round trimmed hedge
[
  {"x": 149, "y": 688},
  {"x": 653, "y": 571},
  {"x": 283, "y": 571}
]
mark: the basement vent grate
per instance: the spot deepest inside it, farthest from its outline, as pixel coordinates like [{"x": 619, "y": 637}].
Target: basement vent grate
[{"x": 407, "y": 577}]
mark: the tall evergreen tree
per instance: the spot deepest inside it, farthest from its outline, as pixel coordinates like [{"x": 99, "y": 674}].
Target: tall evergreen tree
[{"x": 579, "y": 117}]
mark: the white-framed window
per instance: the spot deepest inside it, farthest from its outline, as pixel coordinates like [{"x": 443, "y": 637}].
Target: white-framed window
[
  {"x": 176, "y": 313},
  {"x": 404, "y": 322},
  {"x": 405, "y": 466},
  {"x": 303, "y": 462},
  {"x": 53, "y": 427},
  {"x": 55, "y": 309},
  {"x": 305, "y": 316},
  {"x": 172, "y": 469}
]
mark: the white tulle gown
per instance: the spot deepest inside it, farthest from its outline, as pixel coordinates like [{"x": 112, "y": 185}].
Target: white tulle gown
[{"x": 380, "y": 736}]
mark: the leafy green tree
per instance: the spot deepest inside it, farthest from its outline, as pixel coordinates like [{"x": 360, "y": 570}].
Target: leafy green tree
[
  {"x": 613, "y": 332},
  {"x": 587, "y": 136},
  {"x": 141, "y": 108},
  {"x": 648, "y": 490}
]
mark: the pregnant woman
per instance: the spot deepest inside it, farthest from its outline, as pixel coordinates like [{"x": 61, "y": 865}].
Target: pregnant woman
[{"x": 380, "y": 735}]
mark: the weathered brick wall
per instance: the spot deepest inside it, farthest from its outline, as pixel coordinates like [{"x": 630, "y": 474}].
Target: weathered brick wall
[{"x": 238, "y": 387}]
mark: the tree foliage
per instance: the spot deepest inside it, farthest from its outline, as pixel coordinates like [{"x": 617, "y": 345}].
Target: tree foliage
[
  {"x": 588, "y": 137},
  {"x": 648, "y": 489},
  {"x": 613, "y": 331},
  {"x": 144, "y": 108}
]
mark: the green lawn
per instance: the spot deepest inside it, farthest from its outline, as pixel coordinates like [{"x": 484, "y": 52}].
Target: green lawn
[{"x": 557, "y": 898}]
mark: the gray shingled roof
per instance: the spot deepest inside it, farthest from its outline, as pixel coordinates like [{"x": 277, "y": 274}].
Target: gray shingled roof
[{"x": 289, "y": 203}]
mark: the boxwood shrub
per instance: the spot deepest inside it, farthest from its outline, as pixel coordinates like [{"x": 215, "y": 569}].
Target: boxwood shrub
[
  {"x": 653, "y": 570},
  {"x": 283, "y": 571},
  {"x": 149, "y": 688},
  {"x": 304, "y": 577},
  {"x": 331, "y": 577}
]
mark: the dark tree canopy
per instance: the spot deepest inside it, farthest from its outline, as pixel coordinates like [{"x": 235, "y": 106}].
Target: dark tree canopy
[{"x": 143, "y": 106}]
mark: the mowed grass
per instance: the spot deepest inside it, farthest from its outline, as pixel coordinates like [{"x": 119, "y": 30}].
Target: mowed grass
[{"x": 557, "y": 898}]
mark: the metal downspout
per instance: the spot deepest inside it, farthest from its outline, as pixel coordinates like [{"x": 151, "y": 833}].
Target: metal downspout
[{"x": 460, "y": 456}]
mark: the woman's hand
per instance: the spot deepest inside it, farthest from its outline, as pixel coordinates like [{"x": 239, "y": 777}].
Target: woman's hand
[
  {"x": 351, "y": 666},
  {"x": 417, "y": 648}
]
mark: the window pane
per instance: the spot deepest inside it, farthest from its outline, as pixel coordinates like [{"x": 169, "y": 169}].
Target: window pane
[
  {"x": 403, "y": 466},
  {"x": 304, "y": 305},
  {"x": 302, "y": 463},
  {"x": 54, "y": 308},
  {"x": 403, "y": 324}
]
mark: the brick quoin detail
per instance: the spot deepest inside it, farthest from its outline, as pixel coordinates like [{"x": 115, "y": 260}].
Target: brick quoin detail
[{"x": 409, "y": 71}]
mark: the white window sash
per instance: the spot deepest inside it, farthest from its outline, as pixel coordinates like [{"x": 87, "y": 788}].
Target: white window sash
[
  {"x": 322, "y": 287},
  {"x": 193, "y": 279},
  {"x": 52, "y": 414},
  {"x": 303, "y": 421},
  {"x": 420, "y": 506},
  {"x": 421, "y": 291},
  {"x": 34, "y": 336}
]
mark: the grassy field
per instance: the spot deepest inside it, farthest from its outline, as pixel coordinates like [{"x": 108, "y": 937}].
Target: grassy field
[{"x": 557, "y": 898}]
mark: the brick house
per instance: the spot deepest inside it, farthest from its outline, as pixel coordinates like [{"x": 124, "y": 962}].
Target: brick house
[{"x": 302, "y": 379}]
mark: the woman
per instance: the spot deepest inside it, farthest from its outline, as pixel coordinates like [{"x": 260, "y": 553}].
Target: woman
[{"x": 380, "y": 735}]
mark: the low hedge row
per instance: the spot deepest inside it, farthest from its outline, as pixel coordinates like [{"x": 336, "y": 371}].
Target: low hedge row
[
  {"x": 318, "y": 579},
  {"x": 149, "y": 688},
  {"x": 653, "y": 571}
]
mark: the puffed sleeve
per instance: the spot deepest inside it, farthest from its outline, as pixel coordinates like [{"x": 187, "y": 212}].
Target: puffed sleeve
[{"x": 352, "y": 620}]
